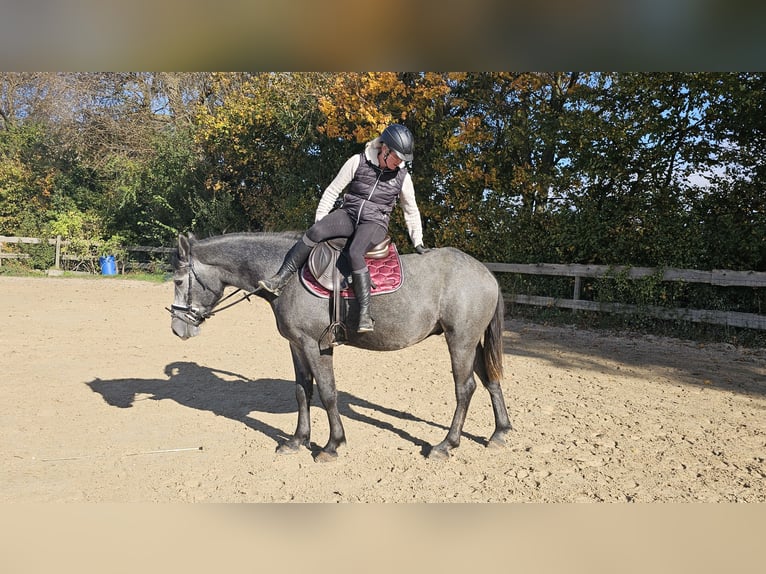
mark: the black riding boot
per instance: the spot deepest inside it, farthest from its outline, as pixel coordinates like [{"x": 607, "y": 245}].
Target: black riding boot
[
  {"x": 293, "y": 260},
  {"x": 361, "y": 284}
]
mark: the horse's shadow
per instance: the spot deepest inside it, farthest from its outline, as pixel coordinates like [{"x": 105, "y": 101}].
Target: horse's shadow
[{"x": 238, "y": 398}]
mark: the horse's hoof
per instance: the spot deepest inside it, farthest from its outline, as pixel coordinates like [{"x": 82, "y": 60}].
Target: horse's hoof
[
  {"x": 287, "y": 448},
  {"x": 324, "y": 456},
  {"x": 438, "y": 453},
  {"x": 496, "y": 441}
]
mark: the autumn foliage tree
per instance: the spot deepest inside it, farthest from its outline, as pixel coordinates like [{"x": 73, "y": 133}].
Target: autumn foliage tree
[
  {"x": 623, "y": 168},
  {"x": 263, "y": 153}
]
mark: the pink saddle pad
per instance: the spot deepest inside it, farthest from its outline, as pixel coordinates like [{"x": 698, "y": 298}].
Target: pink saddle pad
[{"x": 386, "y": 275}]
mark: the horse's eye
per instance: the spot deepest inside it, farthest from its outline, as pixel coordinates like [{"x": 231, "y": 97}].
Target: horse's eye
[{"x": 178, "y": 282}]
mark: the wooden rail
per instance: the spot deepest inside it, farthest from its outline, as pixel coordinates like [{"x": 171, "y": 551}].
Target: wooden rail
[{"x": 718, "y": 277}]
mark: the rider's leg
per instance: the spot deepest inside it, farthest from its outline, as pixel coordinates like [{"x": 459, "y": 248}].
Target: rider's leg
[
  {"x": 336, "y": 224},
  {"x": 293, "y": 260},
  {"x": 367, "y": 235}
]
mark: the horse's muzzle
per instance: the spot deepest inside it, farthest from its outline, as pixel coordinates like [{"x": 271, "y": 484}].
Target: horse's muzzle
[
  {"x": 189, "y": 315},
  {"x": 185, "y": 321}
]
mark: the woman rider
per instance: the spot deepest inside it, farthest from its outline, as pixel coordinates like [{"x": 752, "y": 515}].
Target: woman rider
[{"x": 375, "y": 179}]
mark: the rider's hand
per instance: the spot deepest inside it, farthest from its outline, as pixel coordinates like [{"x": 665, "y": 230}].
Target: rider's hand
[{"x": 421, "y": 249}]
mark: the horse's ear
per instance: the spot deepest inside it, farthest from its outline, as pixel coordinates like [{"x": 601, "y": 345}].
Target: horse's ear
[{"x": 184, "y": 247}]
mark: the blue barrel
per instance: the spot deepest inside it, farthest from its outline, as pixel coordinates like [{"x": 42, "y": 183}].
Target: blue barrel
[{"x": 108, "y": 266}]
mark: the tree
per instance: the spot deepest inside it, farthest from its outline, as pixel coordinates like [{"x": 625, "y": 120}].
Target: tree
[
  {"x": 643, "y": 137},
  {"x": 623, "y": 168},
  {"x": 262, "y": 150}
]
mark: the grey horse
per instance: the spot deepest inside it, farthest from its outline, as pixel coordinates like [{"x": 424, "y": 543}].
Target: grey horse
[{"x": 444, "y": 291}]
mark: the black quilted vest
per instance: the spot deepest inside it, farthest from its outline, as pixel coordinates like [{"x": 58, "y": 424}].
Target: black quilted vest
[{"x": 372, "y": 193}]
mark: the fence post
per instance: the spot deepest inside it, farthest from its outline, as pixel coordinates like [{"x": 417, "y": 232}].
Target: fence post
[
  {"x": 58, "y": 252},
  {"x": 577, "y": 289}
]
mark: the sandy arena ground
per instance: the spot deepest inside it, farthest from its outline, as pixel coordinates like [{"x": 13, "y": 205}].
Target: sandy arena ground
[{"x": 99, "y": 401}]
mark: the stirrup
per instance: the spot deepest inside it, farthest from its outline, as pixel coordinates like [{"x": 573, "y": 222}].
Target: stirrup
[{"x": 333, "y": 336}]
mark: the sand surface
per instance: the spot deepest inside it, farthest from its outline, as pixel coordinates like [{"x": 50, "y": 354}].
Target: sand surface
[{"x": 99, "y": 401}]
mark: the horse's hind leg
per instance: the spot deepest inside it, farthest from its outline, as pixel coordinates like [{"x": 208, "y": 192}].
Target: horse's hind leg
[
  {"x": 502, "y": 422},
  {"x": 462, "y": 371},
  {"x": 304, "y": 386}
]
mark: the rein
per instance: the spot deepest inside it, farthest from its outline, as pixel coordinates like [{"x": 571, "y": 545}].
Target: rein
[{"x": 192, "y": 315}]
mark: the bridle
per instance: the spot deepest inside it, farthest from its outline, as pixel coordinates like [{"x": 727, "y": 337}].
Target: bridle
[{"x": 193, "y": 315}]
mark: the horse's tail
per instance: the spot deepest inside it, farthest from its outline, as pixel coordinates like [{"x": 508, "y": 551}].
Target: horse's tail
[{"x": 493, "y": 341}]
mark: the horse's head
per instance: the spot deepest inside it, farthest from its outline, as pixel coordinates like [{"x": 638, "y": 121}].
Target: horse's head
[{"x": 197, "y": 290}]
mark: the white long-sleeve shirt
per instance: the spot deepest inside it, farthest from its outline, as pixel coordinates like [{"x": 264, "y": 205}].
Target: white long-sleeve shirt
[{"x": 406, "y": 196}]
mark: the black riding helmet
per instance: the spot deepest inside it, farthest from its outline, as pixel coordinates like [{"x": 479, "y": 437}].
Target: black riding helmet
[{"x": 399, "y": 139}]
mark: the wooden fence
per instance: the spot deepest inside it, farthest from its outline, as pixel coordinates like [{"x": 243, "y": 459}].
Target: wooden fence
[
  {"x": 61, "y": 258},
  {"x": 716, "y": 277},
  {"x": 578, "y": 272}
]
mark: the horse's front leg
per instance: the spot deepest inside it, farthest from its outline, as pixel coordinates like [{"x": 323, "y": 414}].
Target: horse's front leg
[
  {"x": 322, "y": 368},
  {"x": 304, "y": 387},
  {"x": 329, "y": 397}
]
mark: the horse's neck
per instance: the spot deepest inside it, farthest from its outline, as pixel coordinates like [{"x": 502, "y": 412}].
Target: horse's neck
[{"x": 242, "y": 263}]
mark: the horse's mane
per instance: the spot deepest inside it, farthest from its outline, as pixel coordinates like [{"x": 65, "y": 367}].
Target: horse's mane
[
  {"x": 295, "y": 235},
  {"x": 240, "y": 238}
]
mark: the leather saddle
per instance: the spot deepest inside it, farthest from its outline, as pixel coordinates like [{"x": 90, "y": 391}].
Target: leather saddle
[{"x": 329, "y": 264}]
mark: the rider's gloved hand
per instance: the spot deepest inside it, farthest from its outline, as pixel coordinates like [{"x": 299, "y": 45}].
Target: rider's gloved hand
[{"x": 421, "y": 249}]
